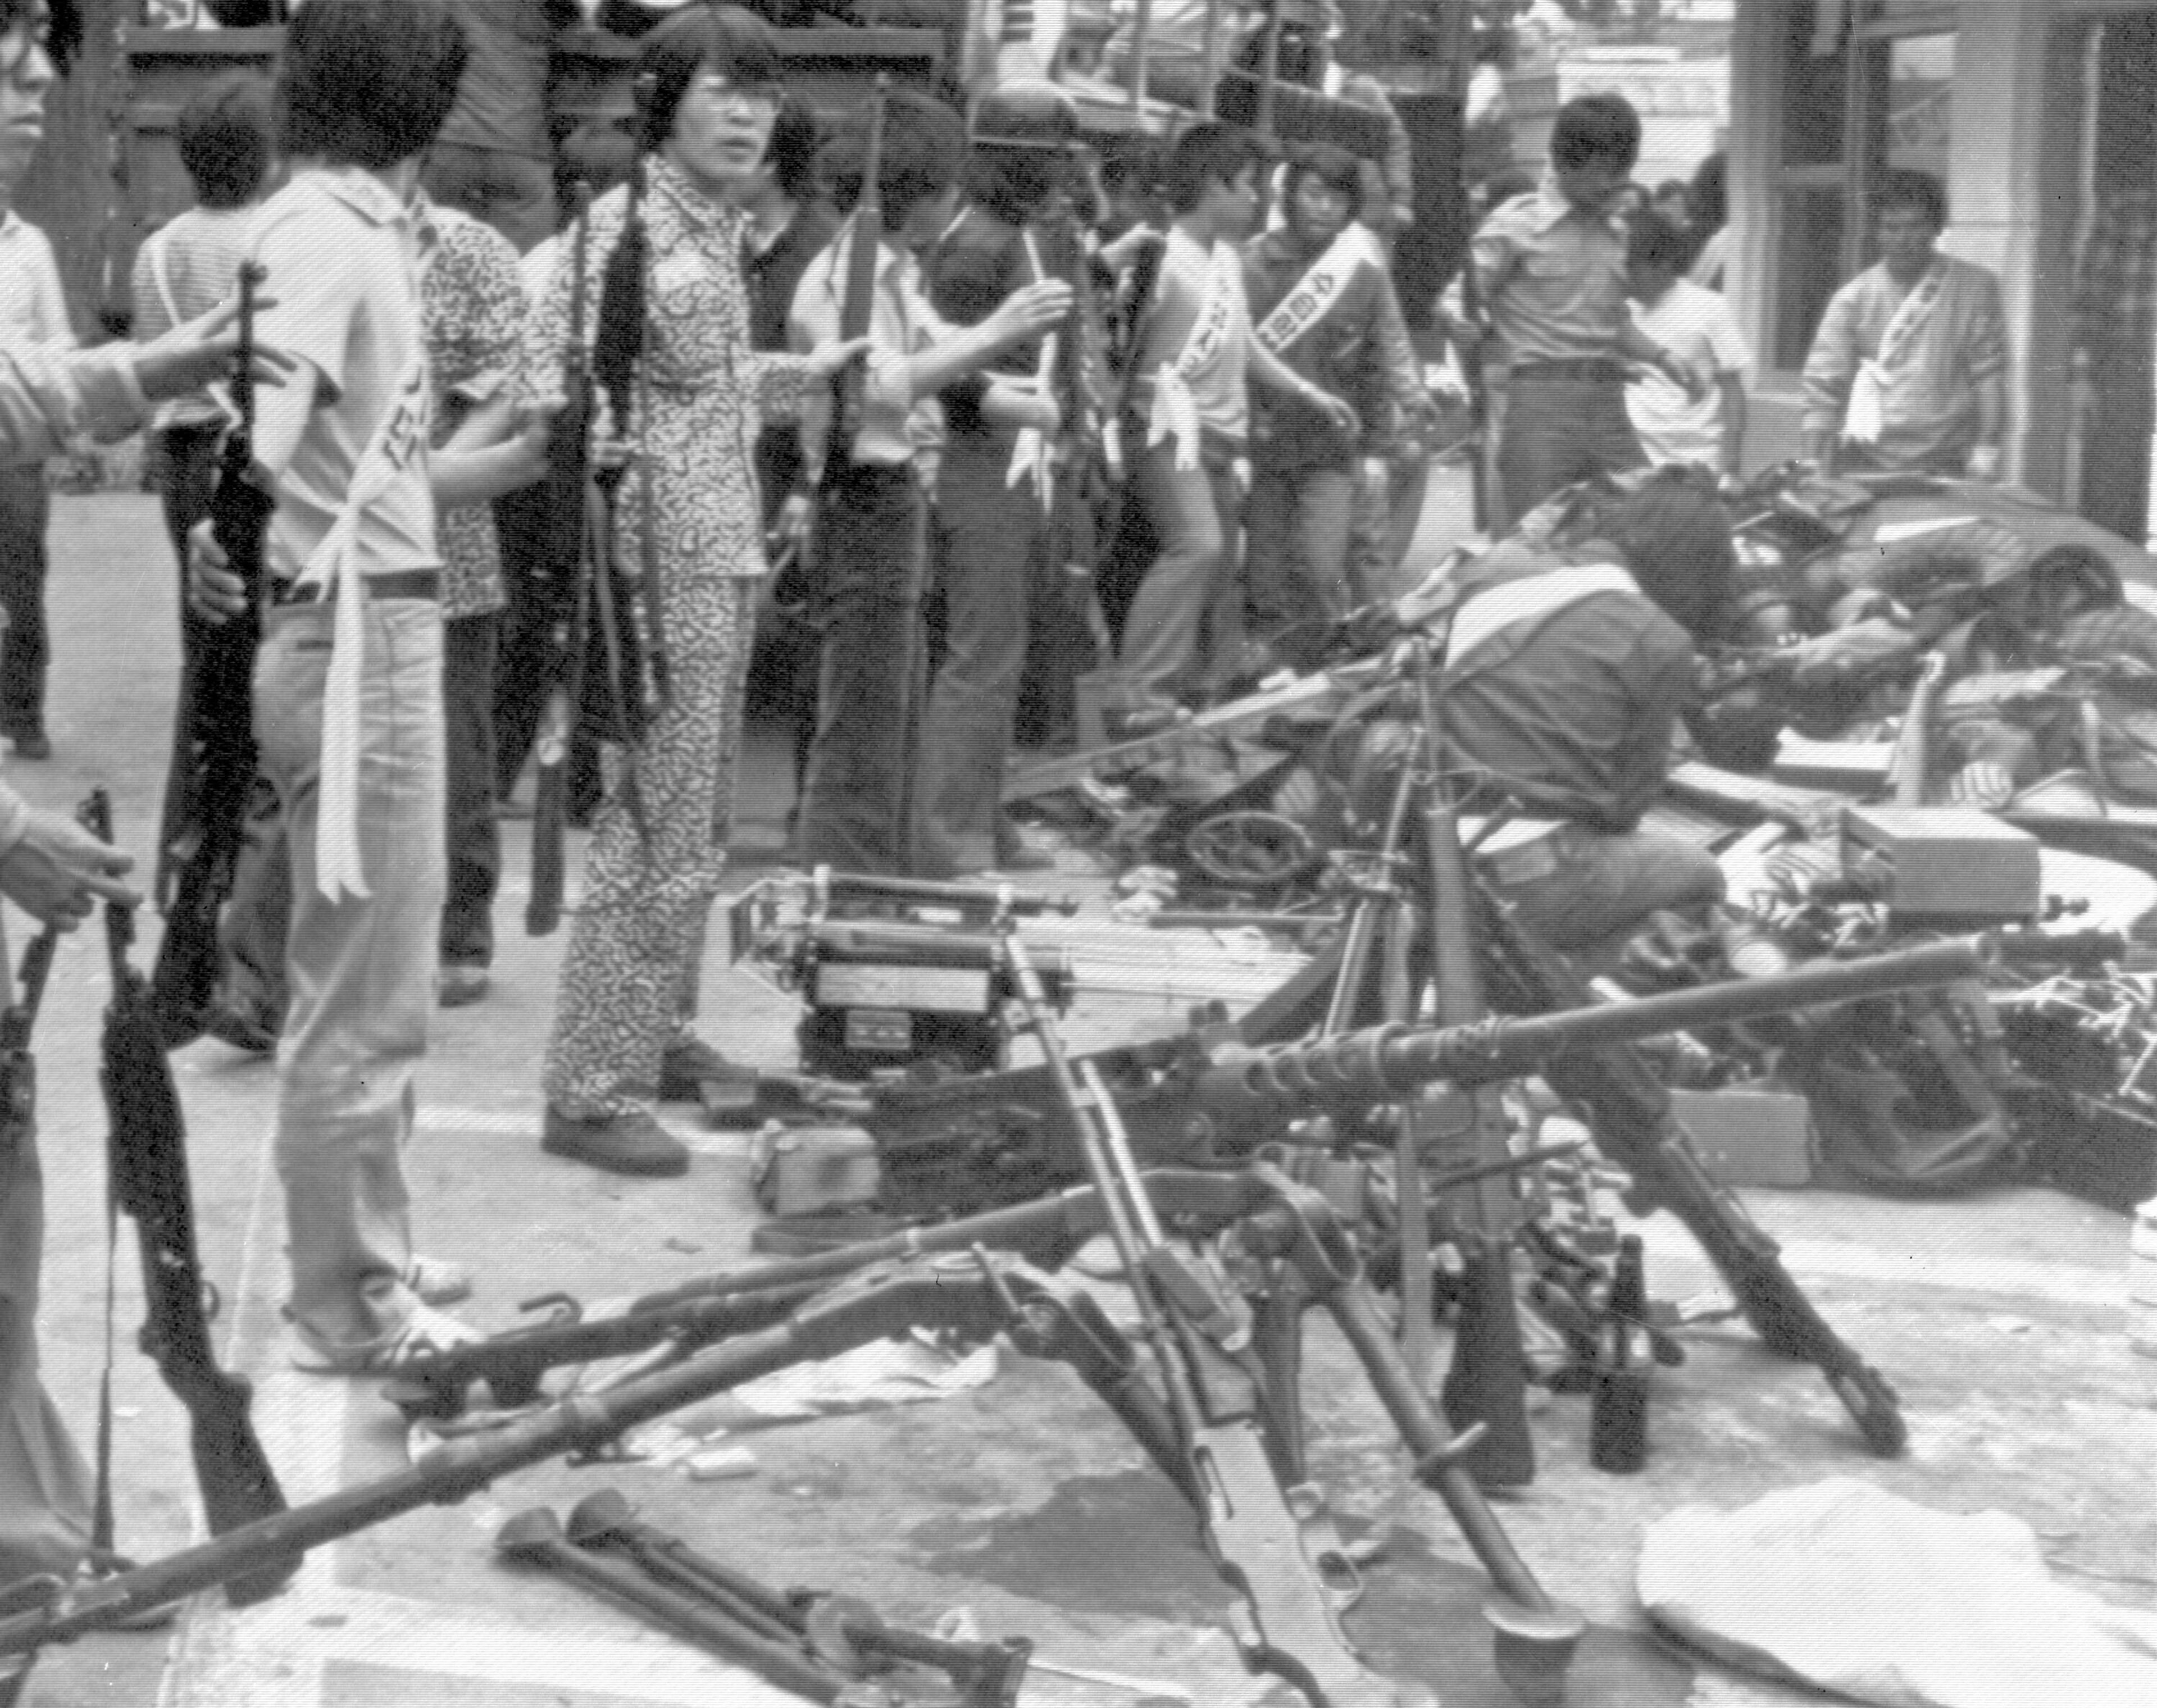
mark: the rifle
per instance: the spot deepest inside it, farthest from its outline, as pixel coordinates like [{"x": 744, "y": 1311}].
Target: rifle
[
  {"x": 864, "y": 242},
  {"x": 570, "y": 546},
  {"x": 146, "y": 1153},
  {"x": 614, "y": 703},
  {"x": 212, "y": 770},
  {"x": 1486, "y": 1381}
]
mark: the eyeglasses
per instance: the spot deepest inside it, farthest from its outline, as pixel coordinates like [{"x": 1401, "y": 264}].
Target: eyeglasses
[{"x": 739, "y": 97}]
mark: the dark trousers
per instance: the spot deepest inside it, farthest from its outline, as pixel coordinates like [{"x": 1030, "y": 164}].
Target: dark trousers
[
  {"x": 1185, "y": 628},
  {"x": 871, "y": 536},
  {"x": 1295, "y": 556},
  {"x": 990, "y": 534},
  {"x": 474, "y": 839},
  {"x": 25, "y": 507},
  {"x": 1559, "y": 431}
]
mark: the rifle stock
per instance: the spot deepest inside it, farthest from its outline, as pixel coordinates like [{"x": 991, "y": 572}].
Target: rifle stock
[
  {"x": 146, "y": 1153},
  {"x": 1487, "y": 1381}
]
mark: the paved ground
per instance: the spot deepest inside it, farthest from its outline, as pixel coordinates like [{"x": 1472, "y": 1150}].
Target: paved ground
[{"x": 1999, "y": 1319}]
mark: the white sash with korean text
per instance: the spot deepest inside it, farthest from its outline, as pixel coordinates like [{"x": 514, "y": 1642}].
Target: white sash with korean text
[
  {"x": 1175, "y": 413},
  {"x": 401, "y": 430},
  {"x": 1313, "y": 296},
  {"x": 1866, "y": 418}
]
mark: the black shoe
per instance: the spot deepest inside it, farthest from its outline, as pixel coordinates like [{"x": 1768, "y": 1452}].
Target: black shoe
[
  {"x": 633, "y": 1144},
  {"x": 688, "y": 1064}
]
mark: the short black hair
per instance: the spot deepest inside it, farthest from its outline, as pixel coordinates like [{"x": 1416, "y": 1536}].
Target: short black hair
[
  {"x": 1674, "y": 535},
  {"x": 925, "y": 145},
  {"x": 223, "y": 137},
  {"x": 1211, "y": 153},
  {"x": 1332, "y": 165},
  {"x": 1592, "y": 127},
  {"x": 1903, "y": 188},
  {"x": 1651, "y": 240},
  {"x": 734, "y": 43},
  {"x": 792, "y": 149},
  {"x": 367, "y": 82}
]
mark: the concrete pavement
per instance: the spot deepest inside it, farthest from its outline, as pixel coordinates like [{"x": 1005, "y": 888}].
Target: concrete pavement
[{"x": 1999, "y": 1318}]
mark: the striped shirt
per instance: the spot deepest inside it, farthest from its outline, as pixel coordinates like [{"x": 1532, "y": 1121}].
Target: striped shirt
[{"x": 186, "y": 267}]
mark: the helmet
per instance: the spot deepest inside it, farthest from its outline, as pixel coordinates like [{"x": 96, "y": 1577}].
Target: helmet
[{"x": 1026, "y": 113}]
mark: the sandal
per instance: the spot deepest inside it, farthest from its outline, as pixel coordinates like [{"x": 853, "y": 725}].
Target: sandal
[{"x": 426, "y": 1331}]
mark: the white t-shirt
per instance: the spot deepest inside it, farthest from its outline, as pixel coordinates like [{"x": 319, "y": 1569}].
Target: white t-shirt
[{"x": 1696, "y": 324}]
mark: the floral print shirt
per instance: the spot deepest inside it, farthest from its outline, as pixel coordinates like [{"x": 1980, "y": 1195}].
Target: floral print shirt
[
  {"x": 473, "y": 302},
  {"x": 709, "y": 392}
]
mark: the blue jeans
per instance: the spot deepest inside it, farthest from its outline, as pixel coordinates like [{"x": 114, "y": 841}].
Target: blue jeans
[
  {"x": 1559, "y": 431},
  {"x": 990, "y": 534},
  {"x": 1188, "y": 610},
  {"x": 1585, "y": 892},
  {"x": 872, "y": 539},
  {"x": 361, "y": 969}
]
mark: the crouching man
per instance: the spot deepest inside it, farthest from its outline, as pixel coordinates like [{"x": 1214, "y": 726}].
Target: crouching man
[{"x": 1564, "y": 678}]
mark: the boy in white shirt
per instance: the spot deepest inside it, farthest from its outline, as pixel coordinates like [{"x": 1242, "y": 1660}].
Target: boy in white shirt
[{"x": 1698, "y": 324}]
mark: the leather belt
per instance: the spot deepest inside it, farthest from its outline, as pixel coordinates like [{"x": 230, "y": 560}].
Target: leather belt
[
  {"x": 1580, "y": 369},
  {"x": 394, "y": 584}
]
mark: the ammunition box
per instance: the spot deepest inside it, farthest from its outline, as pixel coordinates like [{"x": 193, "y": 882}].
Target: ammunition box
[
  {"x": 1749, "y": 1137},
  {"x": 1943, "y": 865},
  {"x": 812, "y": 1170}
]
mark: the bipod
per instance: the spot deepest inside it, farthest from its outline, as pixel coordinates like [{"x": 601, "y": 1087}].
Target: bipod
[
  {"x": 1275, "y": 1546},
  {"x": 839, "y": 1629},
  {"x": 535, "y": 1538}
]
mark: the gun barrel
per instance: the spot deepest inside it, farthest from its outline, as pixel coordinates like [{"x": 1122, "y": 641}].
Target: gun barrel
[
  {"x": 1382, "y": 1064},
  {"x": 864, "y": 887}
]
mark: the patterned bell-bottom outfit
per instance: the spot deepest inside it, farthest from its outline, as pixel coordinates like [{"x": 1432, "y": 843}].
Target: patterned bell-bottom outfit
[{"x": 630, "y": 979}]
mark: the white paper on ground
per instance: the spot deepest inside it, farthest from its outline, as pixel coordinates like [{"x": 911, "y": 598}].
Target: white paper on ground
[{"x": 1846, "y": 1587}]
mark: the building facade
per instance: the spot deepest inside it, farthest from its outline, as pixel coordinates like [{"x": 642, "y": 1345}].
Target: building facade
[{"x": 2034, "y": 112}]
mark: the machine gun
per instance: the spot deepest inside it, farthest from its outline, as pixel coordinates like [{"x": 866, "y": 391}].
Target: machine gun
[
  {"x": 1194, "y": 1111},
  {"x": 147, "y": 1155},
  {"x": 212, "y": 772}
]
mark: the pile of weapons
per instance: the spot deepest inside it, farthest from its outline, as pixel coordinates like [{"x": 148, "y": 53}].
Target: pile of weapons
[{"x": 1241, "y": 1180}]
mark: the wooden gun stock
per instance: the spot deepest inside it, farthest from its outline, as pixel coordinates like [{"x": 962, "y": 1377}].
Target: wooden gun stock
[{"x": 146, "y": 1153}]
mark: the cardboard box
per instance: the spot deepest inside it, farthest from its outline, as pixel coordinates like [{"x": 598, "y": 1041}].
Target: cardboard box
[{"x": 1750, "y": 1136}]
